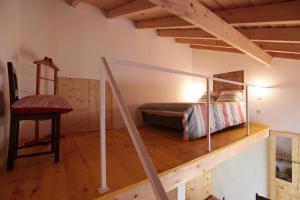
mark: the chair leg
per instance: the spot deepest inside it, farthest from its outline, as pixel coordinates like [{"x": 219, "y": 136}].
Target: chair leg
[
  {"x": 57, "y": 138},
  {"x": 11, "y": 146},
  {"x": 17, "y": 128},
  {"x": 53, "y": 130}
]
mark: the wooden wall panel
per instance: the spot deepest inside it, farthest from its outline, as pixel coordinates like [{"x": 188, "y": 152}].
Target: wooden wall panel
[
  {"x": 199, "y": 188},
  {"x": 94, "y": 103},
  {"x": 237, "y": 76},
  {"x": 83, "y": 95}
]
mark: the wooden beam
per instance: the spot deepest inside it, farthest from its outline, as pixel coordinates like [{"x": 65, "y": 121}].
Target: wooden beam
[
  {"x": 212, "y": 48},
  {"x": 233, "y": 50},
  {"x": 280, "y": 47},
  {"x": 285, "y": 55},
  {"x": 73, "y": 3},
  {"x": 290, "y": 34},
  {"x": 267, "y": 46},
  {"x": 131, "y": 8},
  {"x": 197, "y": 14},
  {"x": 270, "y": 14},
  {"x": 187, "y": 171},
  {"x": 205, "y": 42},
  {"x": 164, "y": 22},
  {"x": 185, "y": 33}
]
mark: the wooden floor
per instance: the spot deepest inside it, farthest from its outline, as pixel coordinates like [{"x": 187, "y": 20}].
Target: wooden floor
[{"x": 77, "y": 176}]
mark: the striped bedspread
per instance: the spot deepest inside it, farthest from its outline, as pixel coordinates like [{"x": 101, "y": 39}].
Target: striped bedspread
[{"x": 194, "y": 116}]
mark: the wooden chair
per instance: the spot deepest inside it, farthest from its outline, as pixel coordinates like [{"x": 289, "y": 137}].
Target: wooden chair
[{"x": 25, "y": 113}]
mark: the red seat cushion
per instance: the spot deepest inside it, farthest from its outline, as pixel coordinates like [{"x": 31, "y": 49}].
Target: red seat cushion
[{"x": 41, "y": 104}]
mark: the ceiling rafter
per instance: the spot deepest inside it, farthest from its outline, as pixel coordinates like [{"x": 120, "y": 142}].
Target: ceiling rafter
[
  {"x": 270, "y": 14},
  {"x": 216, "y": 48},
  {"x": 233, "y": 50},
  {"x": 290, "y": 34},
  {"x": 206, "y": 42},
  {"x": 164, "y": 22},
  {"x": 131, "y": 8},
  {"x": 267, "y": 46},
  {"x": 197, "y": 14},
  {"x": 285, "y": 55}
]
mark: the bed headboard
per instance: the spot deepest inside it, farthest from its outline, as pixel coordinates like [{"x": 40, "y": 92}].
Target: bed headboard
[{"x": 237, "y": 76}]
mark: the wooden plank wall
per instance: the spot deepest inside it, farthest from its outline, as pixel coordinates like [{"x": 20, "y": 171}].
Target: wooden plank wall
[
  {"x": 237, "y": 76},
  {"x": 83, "y": 95}
]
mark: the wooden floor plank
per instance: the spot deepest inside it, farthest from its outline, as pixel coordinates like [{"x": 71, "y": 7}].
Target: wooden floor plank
[{"x": 77, "y": 175}]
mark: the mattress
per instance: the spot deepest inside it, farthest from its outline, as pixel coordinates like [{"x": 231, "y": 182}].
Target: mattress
[{"x": 191, "y": 118}]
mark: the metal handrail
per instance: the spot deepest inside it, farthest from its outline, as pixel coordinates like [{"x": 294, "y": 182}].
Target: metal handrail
[
  {"x": 133, "y": 131},
  {"x": 173, "y": 71}
]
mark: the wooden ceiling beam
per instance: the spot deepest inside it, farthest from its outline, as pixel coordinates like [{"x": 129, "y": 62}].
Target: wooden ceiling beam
[
  {"x": 290, "y": 34},
  {"x": 280, "y": 47},
  {"x": 267, "y": 46},
  {"x": 200, "y": 16},
  {"x": 212, "y": 48},
  {"x": 164, "y": 22},
  {"x": 270, "y": 14},
  {"x": 285, "y": 55},
  {"x": 185, "y": 33},
  {"x": 73, "y": 3},
  {"x": 131, "y": 8},
  {"x": 233, "y": 50},
  {"x": 206, "y": 42}
]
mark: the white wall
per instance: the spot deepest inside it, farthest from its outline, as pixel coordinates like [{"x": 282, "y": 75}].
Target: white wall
[
  {"x": 9, "y": 49},
  {"x": 243, "y": 176},
  {"x": 76, "y": 38}
]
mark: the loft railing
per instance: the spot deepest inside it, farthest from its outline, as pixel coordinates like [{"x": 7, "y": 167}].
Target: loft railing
[{"x": 143, "y": 155}]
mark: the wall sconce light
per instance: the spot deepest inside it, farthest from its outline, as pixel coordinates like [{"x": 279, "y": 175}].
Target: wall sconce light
[{"x": 260, "y": 92}]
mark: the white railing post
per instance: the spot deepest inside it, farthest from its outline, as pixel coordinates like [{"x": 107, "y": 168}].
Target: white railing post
[
  {"x": 247, "y": 112},
  {"x": 143, "y": 155},
  {"x": 208, "y": 113},
  {"x": 181, "y": 191},
  {"x": 104, "y": 187}
]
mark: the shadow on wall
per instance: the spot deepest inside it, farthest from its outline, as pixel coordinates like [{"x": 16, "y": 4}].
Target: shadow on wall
[
  {"x": 28, "y": 54},
  {"x": 4, "y": 113}
]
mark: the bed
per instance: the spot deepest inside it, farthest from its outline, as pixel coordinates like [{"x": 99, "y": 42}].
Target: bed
[{"x": 190, "y": 118}]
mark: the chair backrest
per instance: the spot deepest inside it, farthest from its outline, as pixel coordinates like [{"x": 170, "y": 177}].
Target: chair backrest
[{"x": 13, "y": 83}]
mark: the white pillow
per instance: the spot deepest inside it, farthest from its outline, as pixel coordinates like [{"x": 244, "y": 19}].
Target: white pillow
[
  {"x": 213, "y": 97},
  {"x": 231, "y": 96}
]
